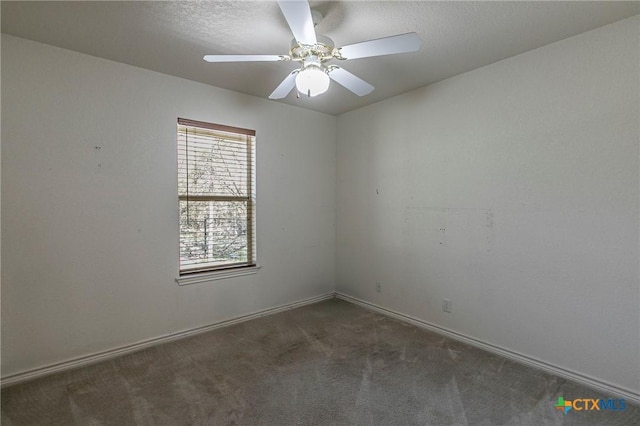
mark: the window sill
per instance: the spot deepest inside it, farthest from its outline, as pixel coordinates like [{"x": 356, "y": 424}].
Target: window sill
[{"x": 216, "y": 275}]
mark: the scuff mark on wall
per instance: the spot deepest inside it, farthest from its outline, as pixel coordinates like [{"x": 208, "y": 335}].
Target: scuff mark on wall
[
  {"x": 489, "y": 219},
  {"x": 97, "y": 149}
]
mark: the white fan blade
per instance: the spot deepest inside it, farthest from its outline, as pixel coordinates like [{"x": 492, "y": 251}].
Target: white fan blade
[
  {"x": 298, "y": 16},
  {"x": 246, "y": 58},
  {"x": 350, "y": 81},
  {"x": 409, "y": 42},
  {"x": 285, "y": 87}
]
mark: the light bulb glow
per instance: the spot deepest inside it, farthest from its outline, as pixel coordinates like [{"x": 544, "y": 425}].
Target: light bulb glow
[{"x": 312, "y": 81}]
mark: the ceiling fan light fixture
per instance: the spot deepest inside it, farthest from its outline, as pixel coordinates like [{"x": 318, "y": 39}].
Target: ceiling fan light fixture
[{"x": 312, "y": 81}]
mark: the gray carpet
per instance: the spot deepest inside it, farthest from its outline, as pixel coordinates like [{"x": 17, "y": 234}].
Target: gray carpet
[{"x": 327, "y": 363}]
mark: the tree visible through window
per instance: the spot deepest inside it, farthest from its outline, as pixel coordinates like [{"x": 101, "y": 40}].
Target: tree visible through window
[{"x": 216, "y": 192}]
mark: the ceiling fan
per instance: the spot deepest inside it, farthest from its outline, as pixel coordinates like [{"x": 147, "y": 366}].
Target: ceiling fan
[{"x": 315, "y": 51}]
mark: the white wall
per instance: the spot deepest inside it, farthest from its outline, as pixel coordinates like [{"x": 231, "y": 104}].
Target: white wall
[
  {"x": 90, "y": 236},
  {"x": 513, "y": 191}
]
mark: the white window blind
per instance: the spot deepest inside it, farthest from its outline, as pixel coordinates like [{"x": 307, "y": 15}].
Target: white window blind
[{"x": 216, "y": 193}]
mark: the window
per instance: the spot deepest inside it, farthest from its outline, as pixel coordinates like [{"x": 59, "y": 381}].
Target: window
[{"x": 216, "y": 193}]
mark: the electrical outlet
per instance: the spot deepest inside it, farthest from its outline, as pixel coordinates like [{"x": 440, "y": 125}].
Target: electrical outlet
[
  {"x": 446, "y": 305},
  {"x": 379, "y": 287}
]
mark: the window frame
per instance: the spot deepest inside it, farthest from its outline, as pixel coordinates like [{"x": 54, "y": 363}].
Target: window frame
[{"x": 195, "y": 273}]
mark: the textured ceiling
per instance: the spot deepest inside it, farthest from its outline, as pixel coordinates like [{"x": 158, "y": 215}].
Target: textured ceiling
[{"x": 172, "y": 37}]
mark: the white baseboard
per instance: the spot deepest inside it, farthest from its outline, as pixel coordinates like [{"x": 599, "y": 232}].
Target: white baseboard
[
  {"x": 123, "y": 350},
  {"x": 607, "y": 388},
  {"x": 596, "y": 384}
]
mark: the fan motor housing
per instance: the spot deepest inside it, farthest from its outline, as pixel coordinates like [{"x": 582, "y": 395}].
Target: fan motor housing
[{"x": 323, "y": 49}]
